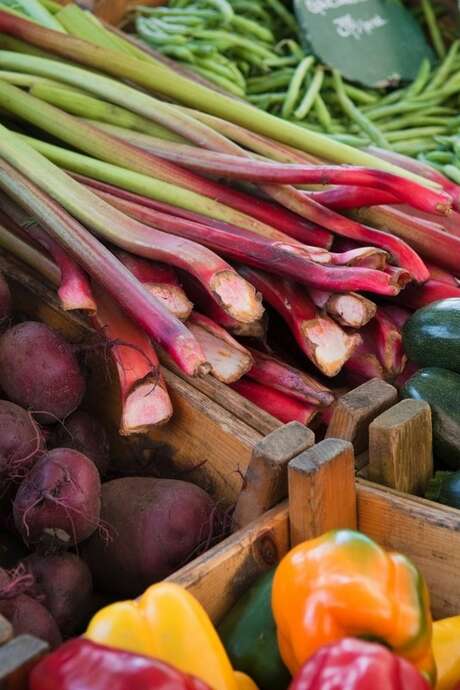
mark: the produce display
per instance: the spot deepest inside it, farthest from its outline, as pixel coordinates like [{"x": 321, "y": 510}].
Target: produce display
[
  {"x": 165, "y": 638},
  {"x": 246, "y": 233}
]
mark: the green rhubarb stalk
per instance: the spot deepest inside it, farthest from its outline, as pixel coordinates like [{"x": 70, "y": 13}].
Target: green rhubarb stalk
[
  {"x": 116, "y": 92},
  {"x": 34, "y": 11},
  {"x": 138, "y": 183},
  {"x": 91, "y": 108},
  {"x": 29, "y": 255},
  {"x": 51, "y": 5},
  {"x": 78, "y": 23},
  {"x": 161, "y": 79},
  {"x": 25, "y": 80}
]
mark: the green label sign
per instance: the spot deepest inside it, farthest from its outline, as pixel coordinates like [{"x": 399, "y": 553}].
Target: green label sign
[{"x": 374, "y": 42}]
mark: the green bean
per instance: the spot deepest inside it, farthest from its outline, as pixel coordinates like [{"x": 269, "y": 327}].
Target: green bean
[
  {"x": 226, "y": 84},
  {"x": 456, "y": 146},
  {"x": 281, "y": 61},
  {"x": 390, "y": 98},
  {"x": 313, "y": 90},
  {"x": 253, "y": 8},
  {"x": 381, "y": 112},
  {"x": 420, "y": 80},
  {"x": 412, "y": 147},
  {"x": 453, "y": 172},
  {"x": 281, "y": 11},
  {"x": 322, "y": 113},
  {"x": 156, "y": 37},
  {"x": 433, "y": 28},
  {"x": 454, "y": 122},
  {"x": 356, "y": 115},
  {"x": 174, "y": 29},
  {"x": 269, "y": 98},
  {"x": 171, "y": 12},
  {"x": 418, "y": 121},
  {"x": 224, "y": 8},
  {"x": 244, "y": 67},
  {"x": 358, "y": 95},
  {"x": 248, "y": 26},
  {"x": 445, "y": 68},
  {"x": 415, "y": 133},
  {"x": 275, "y": 80},
  {"x": 218, "y": 68},
  {"x": 186, "y": 20},
  {"x": 292, "y": 46},
  {"x": 440, "y": 157},
  {"x": 201, "y": 49},
  {"x": 423, "y": 158},
  {"x": 225, "y": 40},
  {"x": 179, "y": 53},
  {"x": 295, "y": 84}
]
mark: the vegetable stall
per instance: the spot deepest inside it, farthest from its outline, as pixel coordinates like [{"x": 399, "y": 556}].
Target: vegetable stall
[{"x": 229, "y": 272}]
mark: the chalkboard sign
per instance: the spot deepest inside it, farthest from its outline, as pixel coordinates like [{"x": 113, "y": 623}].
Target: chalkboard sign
[{"x": 374, "y": 42}]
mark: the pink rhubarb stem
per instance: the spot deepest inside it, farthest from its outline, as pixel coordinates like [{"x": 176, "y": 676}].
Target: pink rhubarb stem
[
  {"x": 228, "y": 359},
  {"x": 279, "y": 405},
  {"x": 275, "y": 373},
  {"x": 403, "y": 255},
  {"x": 277, "y": 257},
  {"x": 397, "y": 314},
  {"x": 367, "y": 257},
  {"x": 349, "y": 197},
  {"x": 161, "y": 280},
  {"x": 388, "y": 342},
  {"x": 144, "y": 397},
  {"x": 319, "y": 337},
  {"x": 314, "y": 239},
  {"x": 419, "y": 296},
  {"x": 364, "y": 364},
  {"x": 206, "y": 304},
  {"x": 421, "y": 169},
  {"x": 450, "y": 224},
  {"x": 74, "y": 290},
  {"x": 348, "y": 309},
  {"x": 261, "y": 171},
  {"x": 427, "y": 238},
  {"x": 101, "y": 264},
  {"x": 442, "y": 276}
]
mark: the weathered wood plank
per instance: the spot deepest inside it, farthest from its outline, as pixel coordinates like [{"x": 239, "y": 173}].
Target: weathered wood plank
[
  {"x": 401, "y": 447},
  {"x": 266, "y": 478},
  {"x": 322, "y": 493}
]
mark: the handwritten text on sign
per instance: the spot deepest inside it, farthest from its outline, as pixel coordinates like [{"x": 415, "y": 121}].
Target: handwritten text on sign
[{"x": 371, "y": 41}]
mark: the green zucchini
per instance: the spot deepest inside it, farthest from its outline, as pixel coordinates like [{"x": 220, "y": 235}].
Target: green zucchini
[
  {"x": 432, "y": 335},
  {"x": 445, "y": 488},
  {"x": 440, "y": 388}
]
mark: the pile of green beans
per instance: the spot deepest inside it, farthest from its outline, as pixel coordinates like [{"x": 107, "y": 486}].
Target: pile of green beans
[{"x": 251, "y": 49}]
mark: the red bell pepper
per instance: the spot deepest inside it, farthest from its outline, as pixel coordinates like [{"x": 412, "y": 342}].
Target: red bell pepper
[
  {"x": 84, "y": 665},
  {"x": 357, "y": 665}
]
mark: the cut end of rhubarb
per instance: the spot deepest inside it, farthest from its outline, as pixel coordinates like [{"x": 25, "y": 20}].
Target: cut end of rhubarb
[
  {"x": 72, "y": 299},
  {"x": 237, "y": 297},
  {"x": 332, "y": 347},
  {"x": 173, "y": 298},
  {"x": 228, "y": 362},
  {"x": 352, "y": 311},
  {"x": 256, "y": 329},
  {"x": 146, "y": 407}
]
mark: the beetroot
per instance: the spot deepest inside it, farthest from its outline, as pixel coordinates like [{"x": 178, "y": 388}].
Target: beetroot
[
  {"x": 65, "y": 582},
  {"x": 156, "y": 525},
  {"x": 21, "y": 441},
  {"x": 27, "y": 615},
  {"x": 60, "y": 499},
  {"x": 39, "y": 370},
  {"x": 85, "y": 433},
  {"x": 5, "y": 299}
]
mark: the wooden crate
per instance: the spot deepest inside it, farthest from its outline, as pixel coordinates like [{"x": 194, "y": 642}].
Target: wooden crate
[{"x": 323, "y": 496}]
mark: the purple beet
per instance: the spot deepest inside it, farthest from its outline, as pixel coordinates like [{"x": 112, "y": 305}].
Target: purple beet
[
  {"x": 59, "y": 500},
  {"x": 85, "y": 433},
  {"x": 21, "y": 441},
  {"x": 39, "y": 370}
]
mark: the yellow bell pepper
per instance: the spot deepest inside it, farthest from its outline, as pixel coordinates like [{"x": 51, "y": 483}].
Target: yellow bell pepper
[
  {"x": 169, "y": 624},
  {"x": 446, "y": 649}
]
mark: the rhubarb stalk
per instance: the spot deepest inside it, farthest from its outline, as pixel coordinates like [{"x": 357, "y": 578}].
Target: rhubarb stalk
[
  {"x": 277, "y": 257},
  {"x": 161, "y": 79},
  {"x": 348, "y": 309},
  {"x": 232, "y": 293},
  {"x": 319, "y": 337},
  {"x": 145, "y": 402},
  {"x": 98, "y": 261},
  {"x": 74, "y": 289},
  {"x": 16, "y": 246},
  {"x": 388, "y": 342},
  {"x": 279, "y": 405},
  {"x": 274, "y": 373},
  {"x": 349, "y": 197},
  {"x": 161, "y": 280},
  {"x": 419, "y": 296},
  {"x": 228, "y": 359}
]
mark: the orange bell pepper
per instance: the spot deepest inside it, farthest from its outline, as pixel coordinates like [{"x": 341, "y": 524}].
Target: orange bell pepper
[{"x": 345, "y": 585}]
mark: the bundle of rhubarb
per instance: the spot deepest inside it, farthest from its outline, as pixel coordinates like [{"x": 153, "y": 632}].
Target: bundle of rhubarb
[{"x": 149, "y": 189}]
